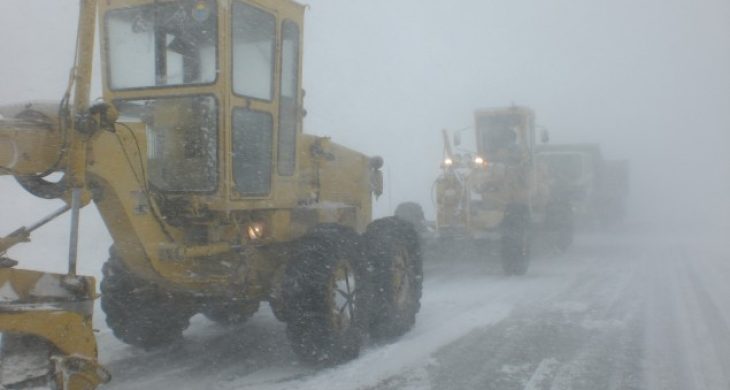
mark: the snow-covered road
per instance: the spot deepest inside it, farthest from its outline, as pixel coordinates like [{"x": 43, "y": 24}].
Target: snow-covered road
[
  {"x": 647, "y": 308},
  {"x": 635, "y": 310}
]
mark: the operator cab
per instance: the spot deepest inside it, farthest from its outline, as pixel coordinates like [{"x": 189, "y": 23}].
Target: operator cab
[
  {"x": 504, "y": 135},
  {"x": 214, "y": 88}
]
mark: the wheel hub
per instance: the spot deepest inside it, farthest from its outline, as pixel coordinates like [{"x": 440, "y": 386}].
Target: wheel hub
[
  {"x": 343, "y": 297},
  {"x": 401, "y": 277}
]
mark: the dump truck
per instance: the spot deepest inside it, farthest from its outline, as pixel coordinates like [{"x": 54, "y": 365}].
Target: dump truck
[
  {"x": 492, "y": 189},
  {"x": 214, "y": 197},
  {"x": 577, "y": 172},
  {"x": 597, "y": 188}
]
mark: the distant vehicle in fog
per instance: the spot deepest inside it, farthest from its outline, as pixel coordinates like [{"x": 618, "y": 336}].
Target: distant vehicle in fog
[
  {"x": 576, "y": 172},
  {"x": 595, "y": 187},
  {"x": 492, "y": 192}
]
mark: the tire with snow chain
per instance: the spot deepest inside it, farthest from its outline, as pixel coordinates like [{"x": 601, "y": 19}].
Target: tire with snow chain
[
  {"x": 324, "y": 290},
  {"x": 141, "y": 313},
  {"x": 412, "y": 213},
  {"x": 515, "y": 241},
  {"x": 394, "y": 254}
]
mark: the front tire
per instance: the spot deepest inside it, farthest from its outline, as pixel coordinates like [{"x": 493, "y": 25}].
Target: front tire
[
  {"x": 325, "y": 290},
  {"x": 140, "y": 313},
  {"x": 394, "y": 254}
]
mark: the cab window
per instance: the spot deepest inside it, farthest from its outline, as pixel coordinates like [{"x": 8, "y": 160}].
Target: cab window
[
  {"x": 252, "y": 151},
  {"x": 288, "y": 100},
  {"x": 254, "y": 33},
  {"x": 159, "y": 45},
  {"x": 182, "y": 140}
]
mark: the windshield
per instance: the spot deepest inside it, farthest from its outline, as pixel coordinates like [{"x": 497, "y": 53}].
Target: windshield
[
  {"x": 181, "y": 140},
  {"x": 160, "y": 45},
  {"x": 497, "y": 132}
]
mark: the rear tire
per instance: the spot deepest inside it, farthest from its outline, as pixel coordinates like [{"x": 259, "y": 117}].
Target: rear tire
[
  {"x": 141, "y": 313},
  {"x": 394, "y": 254},
  {"x": 515, "y": 242},
  {"x": 412, "y": 213},
  {"x": 325, "y": 290}
]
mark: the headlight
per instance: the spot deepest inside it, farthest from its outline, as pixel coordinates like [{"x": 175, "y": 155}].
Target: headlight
[
  {"x": 255, "y": 230},
  {"x": 448, "y": 162},
  {"x": 480, "y": 162}
]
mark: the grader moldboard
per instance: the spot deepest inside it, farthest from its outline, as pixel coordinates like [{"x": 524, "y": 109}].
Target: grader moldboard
[
  {"x": 493, "y": 190},
  {"x": 214, "y": 198}
]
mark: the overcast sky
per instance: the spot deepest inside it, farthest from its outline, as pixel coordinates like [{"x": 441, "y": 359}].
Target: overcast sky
[{"x": 648, "y": 79}]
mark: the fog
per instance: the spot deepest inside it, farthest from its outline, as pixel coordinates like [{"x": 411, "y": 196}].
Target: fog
[
  {"x": 647, "y": 80},
  {"x": 643, "y": 306}
]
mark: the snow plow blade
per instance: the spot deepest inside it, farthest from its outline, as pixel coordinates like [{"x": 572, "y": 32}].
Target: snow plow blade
[{"x": 47, "y": 334}]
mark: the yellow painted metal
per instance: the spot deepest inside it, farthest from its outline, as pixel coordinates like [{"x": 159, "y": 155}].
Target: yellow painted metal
[
  {"x": 27, "y": 147},
  {"x": 69, "y": 332},
  {"x": 76, "y": 166},
  {"x": 18, "y": 236},
  {"x": 58, "y": 310}
]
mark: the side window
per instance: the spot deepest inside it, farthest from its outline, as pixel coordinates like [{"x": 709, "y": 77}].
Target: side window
[
  {"x": 252, "y": 155},
  {"x": 162, "y": 44},
  {"x": 254, "y": 34},
  {"x": 287, "y": 143},
  {"x": 182, "y": 140}
]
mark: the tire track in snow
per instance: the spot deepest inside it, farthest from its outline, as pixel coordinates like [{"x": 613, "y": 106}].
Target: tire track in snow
[
  {"x": 687, "y": 332},
  {"x": 584, "y": 335},
  {"x": 709, "y": 318},
  {"x": 666, "y": 350}
]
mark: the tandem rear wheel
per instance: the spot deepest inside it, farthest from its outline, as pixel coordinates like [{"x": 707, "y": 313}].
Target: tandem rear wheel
[{"x": 340, "y": 286}]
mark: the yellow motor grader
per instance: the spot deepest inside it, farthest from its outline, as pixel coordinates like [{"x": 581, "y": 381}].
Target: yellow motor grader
[
  {"x": 492, "y": 189},
  {"x": 214, "y": 197}
]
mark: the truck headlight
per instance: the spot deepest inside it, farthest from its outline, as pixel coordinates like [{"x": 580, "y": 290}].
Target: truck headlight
[
  {"x": 448, "y": 162},
  {"x": 480, "y": 161},
  {"x": 255, "y": 230}
]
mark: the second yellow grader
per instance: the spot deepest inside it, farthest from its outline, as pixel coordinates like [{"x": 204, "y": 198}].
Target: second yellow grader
[{"x": 493, "y": 190}]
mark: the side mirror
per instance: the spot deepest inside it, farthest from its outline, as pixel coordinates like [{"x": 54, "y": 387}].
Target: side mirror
[
  {"x": 544, "y": 136},
  {"x": 302, "y": 110}
]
